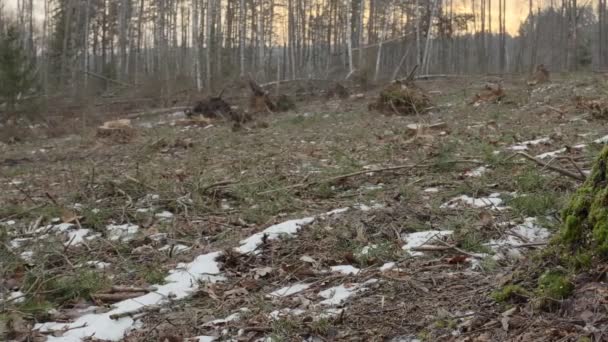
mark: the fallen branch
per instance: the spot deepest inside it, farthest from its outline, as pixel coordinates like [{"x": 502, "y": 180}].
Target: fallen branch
[
  {"x": 116, "y": 297},
  {"x": 107, "y": 79},
  {"x": 553, "y": 168},
  {"x": 61, "y": 331},
  {"x": 264, "y": 85},
  {"x": 216, "y": 185},
  {"x": 580, "y": 171},
  {"x": 153, "y": 112},
  {"x": 559, "y": 111},
  {"x": 116, "y": 289},
  {"x": 430, "y": 248},
  {"x": 461, "y": 251},
  {"x": 531, "y": 244},
  {"x": 362, "y": 172},
  {"x": 142, "y": 310}
]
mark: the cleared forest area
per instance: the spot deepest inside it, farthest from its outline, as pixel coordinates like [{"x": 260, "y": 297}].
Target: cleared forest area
[
  {"x": 314, "y": 170},
  {"x": 325, "y": 222}
]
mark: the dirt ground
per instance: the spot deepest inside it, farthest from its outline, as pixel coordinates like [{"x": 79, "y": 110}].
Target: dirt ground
[{"x": 399, "y": 234}]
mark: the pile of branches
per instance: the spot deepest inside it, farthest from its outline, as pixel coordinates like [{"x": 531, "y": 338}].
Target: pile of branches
[{"x": 399, "y": 98}]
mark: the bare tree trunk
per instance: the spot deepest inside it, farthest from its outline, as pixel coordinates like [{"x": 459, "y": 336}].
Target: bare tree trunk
[
  {"x": 349, "y": 36},
  {"x": 242, "y": 35},
  {"x": 427, "y": 53}
]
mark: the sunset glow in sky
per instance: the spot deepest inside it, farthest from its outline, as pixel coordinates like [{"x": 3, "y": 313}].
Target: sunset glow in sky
[{"x": 517, "y": 10}]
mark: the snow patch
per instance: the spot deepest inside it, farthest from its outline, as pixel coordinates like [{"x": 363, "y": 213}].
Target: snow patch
[
  {"x": 175, "y": 249},
  {"x": 204, "y": 338},
  {"x": 345, "y": 269},
  {"x": 100, "y": 265},
  {"x": 286, "y": 228},
  {"x": 14, "y": 296},
  {"x": 165, "y": 215},
  {"x": 180, "y": 283},
  {"x": 420, "y": 238},
  {"x": 339, "y": 294},
  {"x": 478, "y": 172},
  {"x": 124, "y": 232},
  {"x": 27, "y": 256},
  {"x": 523, "y": 146},
  {"x": 493, "y": 202},
  {"x": 364, "y": 207},
  {"x": 560, "y": 151},
  {"x": 233, "y": 317},
  {"x": 77, "y": 237},
  {"x": 274, "y": 232},
  {"x": 387, "y": 266},
  {"x": 277, "y": 314},
  {"x": 602, "y": 140},
  {"x": 527, "y": 232}
]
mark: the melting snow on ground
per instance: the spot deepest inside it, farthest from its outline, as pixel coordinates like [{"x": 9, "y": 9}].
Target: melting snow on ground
[
  {"x": 276, "y": 231},
  {"x": 523, "y": 146},
  {"x": 345, "y": 269},
  {"x": 478, "y": 172},
  {"x": 97, "y": 264},
  {"x": 290, "y": 227},
  {"x": 286, "y": 312},
  {"x": 492, "y": 202},
  {"x": 76, "y": 237},
  {"x": 560, "y": 151},
  {"x": 179, "y": 284},
  {"x": 123, "y": 232},
  {"x": 182, "y": 282},
  {"x": 15, "y": 297},
  {"x": 602, "y": 140},
  {"x": 418, "y": 239},
  {"x": 527, "y": 232},
  {"x": 204, "y": 338},
  {"x": 387, "y": 267},
  {"x": 165, "y": 215},
  {"x": 339, "y": 294},
  {"x": 175, "y": 249},
  {"x": 233, "y": 317}
]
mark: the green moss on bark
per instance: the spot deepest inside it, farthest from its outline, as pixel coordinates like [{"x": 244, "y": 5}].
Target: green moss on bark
[{"x": 586, "y": 217}]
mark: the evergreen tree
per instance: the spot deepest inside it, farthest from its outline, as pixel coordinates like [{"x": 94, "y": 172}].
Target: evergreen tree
[{"x": 16, "y": 70}]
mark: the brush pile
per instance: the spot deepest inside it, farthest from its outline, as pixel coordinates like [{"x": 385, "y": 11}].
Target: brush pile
[{"x": 402, "y": 99}]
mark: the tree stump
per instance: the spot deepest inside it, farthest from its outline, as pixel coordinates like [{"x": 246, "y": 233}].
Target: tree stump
[{"x": 117, "y": 131}]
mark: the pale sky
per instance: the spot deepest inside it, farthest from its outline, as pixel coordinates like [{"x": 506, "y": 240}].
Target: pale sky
[{"x": 517, "y": 10}]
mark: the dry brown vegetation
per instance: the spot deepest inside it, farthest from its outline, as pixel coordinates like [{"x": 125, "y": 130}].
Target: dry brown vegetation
[{"x": 194, "y": 189}]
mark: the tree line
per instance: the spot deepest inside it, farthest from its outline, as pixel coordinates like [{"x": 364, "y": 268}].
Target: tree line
[{"x": 85, "y": 47}]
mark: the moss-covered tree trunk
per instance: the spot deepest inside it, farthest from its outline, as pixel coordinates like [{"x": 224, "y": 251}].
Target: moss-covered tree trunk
[{"x": 585, "y": 230}]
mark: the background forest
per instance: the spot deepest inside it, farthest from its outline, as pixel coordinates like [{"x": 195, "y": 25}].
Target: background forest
[{"x": 84, "y": 47}]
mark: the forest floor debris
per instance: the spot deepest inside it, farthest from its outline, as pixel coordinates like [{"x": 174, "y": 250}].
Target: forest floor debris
[
  {"x": 402, "y": 99},
  {"x": 236, "y": 235}
]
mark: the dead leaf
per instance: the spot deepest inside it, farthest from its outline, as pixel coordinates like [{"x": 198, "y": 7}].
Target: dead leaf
[
  {"x": 68, "y": 216},
  {"x": 486, "y": 219},
  {"x": 459, "y": 259},
  {"x": 17, "y": 327},
  {"x": 210, "y": 290}
]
